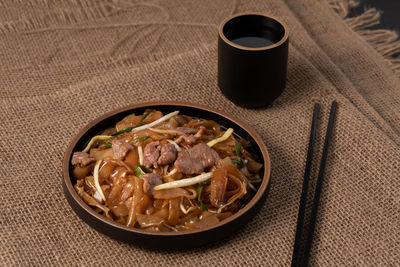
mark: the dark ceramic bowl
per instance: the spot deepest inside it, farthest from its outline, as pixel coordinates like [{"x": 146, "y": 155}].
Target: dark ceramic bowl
[{"x": 168, "y": 240}]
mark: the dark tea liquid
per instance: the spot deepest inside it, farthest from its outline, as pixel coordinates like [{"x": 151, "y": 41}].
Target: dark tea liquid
[{"x": 253, "y": 41}]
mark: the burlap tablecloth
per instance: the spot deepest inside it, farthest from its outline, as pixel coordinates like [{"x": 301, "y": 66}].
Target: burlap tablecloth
[{"x": 63, "y": 63}]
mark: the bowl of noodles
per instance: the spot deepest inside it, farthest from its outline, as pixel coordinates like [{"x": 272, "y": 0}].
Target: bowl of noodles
[{"x": 166, "y": 175}]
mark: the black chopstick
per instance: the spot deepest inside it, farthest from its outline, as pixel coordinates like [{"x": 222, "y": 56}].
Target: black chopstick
[
  {"x": 303, "y": 200},
  {"x": 318, "y": 188},
  {"x": 300, "y": 220}
]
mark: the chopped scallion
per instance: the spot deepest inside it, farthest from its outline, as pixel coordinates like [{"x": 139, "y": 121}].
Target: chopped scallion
[
  {"x": 240, "y": 162},
  {"x": 107, "y": 143},
  {"x": 143, "y": 168},
  {"x": 238, "y": 146},
  {"x": 199, "y": 190},
  {"x": 143, "y": 118},
  {"x": 128, "y": 129},
  {"x": 138, "y": 171},
  {"x": 206, "y": 182},
  {"x": 204, "y": 207}
]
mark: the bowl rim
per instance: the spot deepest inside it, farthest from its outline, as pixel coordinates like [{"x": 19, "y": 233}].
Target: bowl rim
[{"x": 67, "y": 180}]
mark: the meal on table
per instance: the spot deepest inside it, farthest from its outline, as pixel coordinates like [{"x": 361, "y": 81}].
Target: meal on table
[{"x": 166, "y": 172}]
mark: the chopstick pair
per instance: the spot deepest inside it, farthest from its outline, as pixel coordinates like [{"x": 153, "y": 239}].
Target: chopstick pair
[{"x": 299, "y": 258}]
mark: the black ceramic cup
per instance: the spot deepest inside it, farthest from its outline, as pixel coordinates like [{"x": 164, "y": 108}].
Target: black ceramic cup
[{"x": 252, "y": 59}]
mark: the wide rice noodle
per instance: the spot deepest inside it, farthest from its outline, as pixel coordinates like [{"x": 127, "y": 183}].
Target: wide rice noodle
[
  {"x": 173, "y": 193},
  {"x": 134, "y": 202},
  {"x": 146, "y": 221}
]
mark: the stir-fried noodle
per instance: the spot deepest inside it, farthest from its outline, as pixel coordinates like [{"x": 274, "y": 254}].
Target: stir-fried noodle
[{"x": 166, "y": 172}]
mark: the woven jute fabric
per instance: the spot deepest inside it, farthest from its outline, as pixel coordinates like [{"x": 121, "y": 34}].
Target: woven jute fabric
[{"x": 64, "y": 63}]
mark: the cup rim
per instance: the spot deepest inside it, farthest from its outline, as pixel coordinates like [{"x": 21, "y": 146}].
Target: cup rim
[{"x": 226, "y": 40}]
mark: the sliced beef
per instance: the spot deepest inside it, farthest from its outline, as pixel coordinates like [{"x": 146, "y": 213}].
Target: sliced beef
[
  {"x": 190, "y": 139},
  {"x": 82, "y": 158},
  {"x": 180, "y": 120},
  {"x": 200, "y": 133},
  {"x": 151, "y": 154},
  {"x": 187, "y": 130},
  {"x": 187, "y": 139},
  {"x": 196, "y": 159},
  {"x": 120, "y": 149},
  {"x": 150, "y": 180},
  {"x": 167, "y": 154}
]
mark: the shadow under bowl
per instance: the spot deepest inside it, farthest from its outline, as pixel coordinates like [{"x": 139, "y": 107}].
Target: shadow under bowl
[{"x": 167, "y": 240}]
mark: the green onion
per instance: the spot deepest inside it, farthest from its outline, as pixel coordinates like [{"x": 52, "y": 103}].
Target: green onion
[
  {"x": 137, "y": 139},
  {"x": 204, "y": 207},
  {"x": 238, "y": 146},
  {"x": 143, "y": 118},
  {"x": 206, "y": 182},
  {"x": 240, "y": 162},
  {"x": 107, "y": 143},
  {"x": 143, "y": 168},
  {"x": 139, "y": 172},
  {"x": 199, "y": 189},
  {"x": 128, "y": 129}
]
